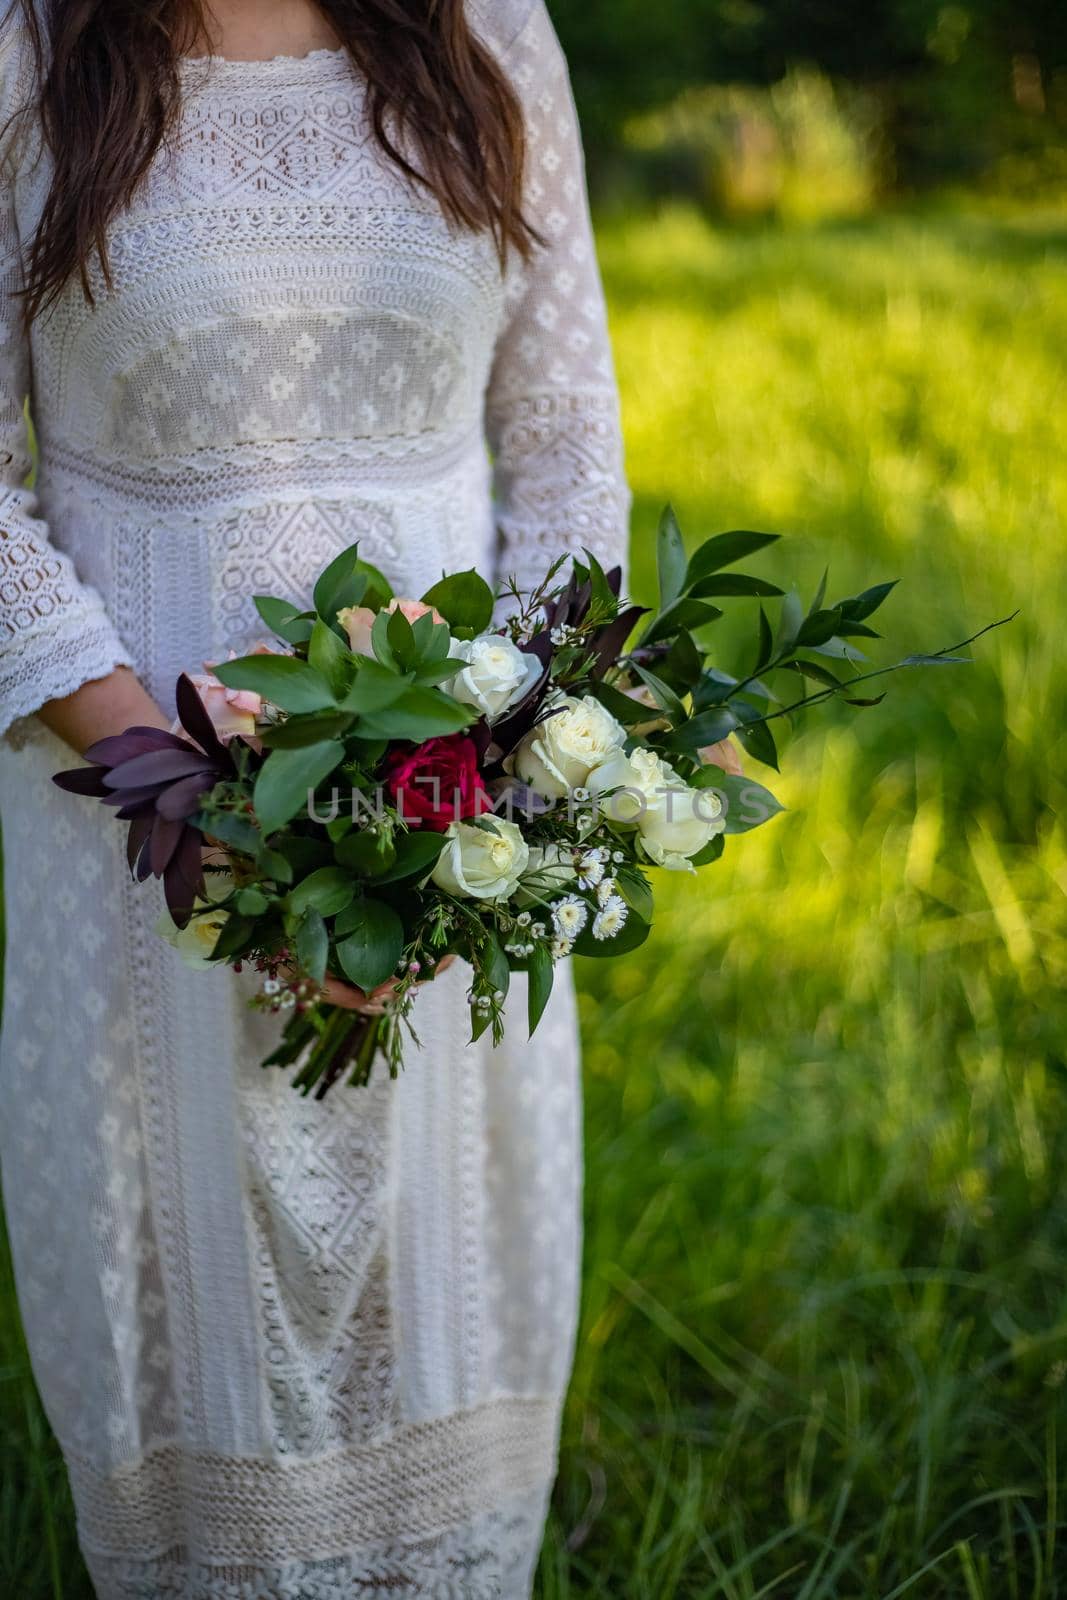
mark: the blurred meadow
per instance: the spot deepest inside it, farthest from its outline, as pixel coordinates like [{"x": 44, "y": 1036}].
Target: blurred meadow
[{"x": 824, "y": 1339}]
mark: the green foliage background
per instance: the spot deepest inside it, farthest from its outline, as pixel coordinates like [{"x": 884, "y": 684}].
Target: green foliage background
[{"x": 824, "y": 1340}]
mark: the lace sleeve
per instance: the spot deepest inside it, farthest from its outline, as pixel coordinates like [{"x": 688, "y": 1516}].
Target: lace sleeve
[
  {"x": 54, "y": 632},
  {"x": 552, "y": 407}
]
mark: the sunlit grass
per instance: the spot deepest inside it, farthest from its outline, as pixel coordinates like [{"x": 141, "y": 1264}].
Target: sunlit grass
[
  {"x": 824, "y": 1340},
  {"x": 825, "y": 1331}
]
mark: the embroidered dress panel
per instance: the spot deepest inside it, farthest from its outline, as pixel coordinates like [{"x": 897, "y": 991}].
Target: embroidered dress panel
[{"x": 291, "y": 1351}]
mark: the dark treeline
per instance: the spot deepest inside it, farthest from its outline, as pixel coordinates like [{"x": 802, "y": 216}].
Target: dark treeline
[{"x": 959, "y": 85}]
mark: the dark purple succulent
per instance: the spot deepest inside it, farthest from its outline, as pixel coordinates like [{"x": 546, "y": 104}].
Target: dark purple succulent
[{"x": 157, "y": 781}]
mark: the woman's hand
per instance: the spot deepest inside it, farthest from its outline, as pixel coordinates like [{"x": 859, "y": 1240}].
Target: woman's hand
[{"x": 351, "y": 998}]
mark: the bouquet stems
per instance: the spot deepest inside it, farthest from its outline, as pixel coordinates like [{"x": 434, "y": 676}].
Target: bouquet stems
[{"x": 334, "y": 1042}]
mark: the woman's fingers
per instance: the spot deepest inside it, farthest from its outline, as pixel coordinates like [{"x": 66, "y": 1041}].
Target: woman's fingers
[{"x": 352, "y": 998}]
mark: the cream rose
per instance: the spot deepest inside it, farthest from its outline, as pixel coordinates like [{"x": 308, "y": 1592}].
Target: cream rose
[
  {"x": 482, "y": 863},
  {"x": 496, "y": 676},
  {"x": 558, "y": 754},
  {"x": 673, "y": 820},
  {"x": 357, "y": 621},
  {"x": 681, "y": 823},
  {"x": 195, "y": 942}
]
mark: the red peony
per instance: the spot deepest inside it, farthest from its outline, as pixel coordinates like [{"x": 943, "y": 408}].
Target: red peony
[{"x": 436, "y": 783}]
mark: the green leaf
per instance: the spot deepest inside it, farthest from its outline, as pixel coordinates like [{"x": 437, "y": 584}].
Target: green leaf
[
  {"x": 418, "y": 714},
  {"x": 876, "y": 700},
  {"x": 379, "y": 590},
  {"x": 837, "y": 650},
  {"x": 747, "y": 804},
  {"x": 373, "y": 947},
  {"x": 328, "y": 655},
  {"x": 367, "y": 853},
  {"x": 272, "y": 864},
  {"x": 379, "y": 638},
  {"x": 621, "y": 706},
  {"x": 935, "y": 661},
  {"x": 684, "y": 613},
  {"x": 284, "y": 619},
  {"x": 758, "y": 740},
  {"x": 707, "y": 727},
  {"x": 251, "y": 902},
  {"x": 329, "y": 890},
  {"x": 297, "y": 732},
  {"x": 422, "y": 632},
  {"x": 812, "y": 669},
  {"x": 464, "y": 599},
  {"x": 663, "y": 695},
  {"x": 230, "y": 828},
  {"x": 789, "y": 623},
  {"x": 819, "y": 626},
  {"x": 820, "y": 593},
  {"x": 286, "y": 777},
  {"x": 416, "y": 854},
  {"x": 732, "y": 583},
  {"x": 312, "y": 945},
  {"x": 493, "y": 962},
  {"x": 401, "y": 637},
  {"x": 539, "y": 982},
  {"x": 374, "y": 687},
  {"x": 436, "y": 672},
  {"x": 711, "y": 852},
  {"x": 861, "y": 605},
  {"x": 233, "y": 939},
  {"x": 440, "y": 643},
  {"x": 765, "y": 643},
  {"x": 682, "y": 665},
  {"x": 723, "y": 549},
  {"x": 304, "y": 854},
  {"x": 715, "y": 687},
  {"x": 340, "y": 585},
  {"x": 856, "y": 630},
  {"x": 636, "y": 891},
  {"x": 670, "y": 558},
  {"x": 602, "y": 597},
  {"x": 285, "y": 681}
]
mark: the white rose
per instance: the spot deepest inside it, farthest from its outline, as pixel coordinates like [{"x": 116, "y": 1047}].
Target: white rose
[
  {"x": 559, "y": 753},
  {"x": 550, "y": 869},
  {"x": 484, "y": 863},
  {"x": 682, "y": 821},
  {"x": 674, "y": 821},
  {"x": 195, "y": 942},
  {"x": 496, "y": 676},
  {"x": 640, "y": 776}
]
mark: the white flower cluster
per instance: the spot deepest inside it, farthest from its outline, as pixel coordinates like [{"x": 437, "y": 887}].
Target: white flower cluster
[{"x": 577, "y": 750}]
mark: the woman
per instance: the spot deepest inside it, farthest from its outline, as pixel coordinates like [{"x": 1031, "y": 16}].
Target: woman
[{"x": 289, "y": 1349}]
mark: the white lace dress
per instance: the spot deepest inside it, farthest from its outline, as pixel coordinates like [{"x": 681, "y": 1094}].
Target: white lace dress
[{"x": 290, "y": 1350}]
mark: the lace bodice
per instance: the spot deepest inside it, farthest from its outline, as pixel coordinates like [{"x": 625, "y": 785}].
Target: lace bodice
[{"x": 290, "y": 318}]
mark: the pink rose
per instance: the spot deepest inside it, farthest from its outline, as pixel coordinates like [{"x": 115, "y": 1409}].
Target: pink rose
[
  {"x": 722, "y": 754},
  {"x": 357, "y": 621},
  {"x": 234, "y": 713}
]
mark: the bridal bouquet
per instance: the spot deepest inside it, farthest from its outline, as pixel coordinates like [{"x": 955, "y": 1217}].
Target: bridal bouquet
[{"x": 403, "y": 780}]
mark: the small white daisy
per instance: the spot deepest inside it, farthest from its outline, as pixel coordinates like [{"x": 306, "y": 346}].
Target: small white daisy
[
  {"x": 590, "y": 870},
  {"x": 569, "y": 916},
  {"x": 604, "y": 891},
  {"x": 560, "y": 948},
  {"x": 610, "y": 918}
]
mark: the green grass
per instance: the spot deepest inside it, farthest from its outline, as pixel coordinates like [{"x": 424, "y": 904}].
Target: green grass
[{"x": 824, "y": 1342}]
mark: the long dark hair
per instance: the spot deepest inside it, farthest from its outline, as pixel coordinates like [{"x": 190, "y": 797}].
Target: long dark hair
[{"x": 109, "y": 92}]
